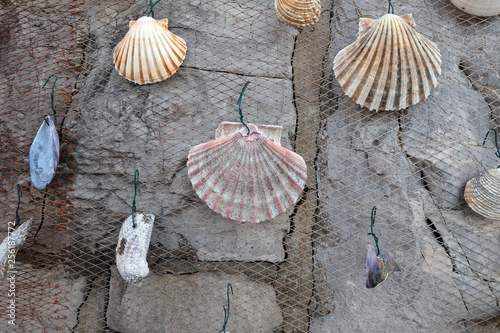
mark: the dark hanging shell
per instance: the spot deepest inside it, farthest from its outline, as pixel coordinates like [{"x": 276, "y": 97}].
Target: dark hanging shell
[{"x": 378, "y": 267}]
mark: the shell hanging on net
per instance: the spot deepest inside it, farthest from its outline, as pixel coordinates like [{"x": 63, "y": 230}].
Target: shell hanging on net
[
  {"x": 298, "y": 13},
  {"x": 390, "y": 66},
  {"x": 10, "y": 246},
  {"x": 478, "y": 7},
  {"x": 482, "y": 194},
  {"x": 133, "y": 245},
  {"x": 378, "y": 267},
  {"x": 44, "y": 154},
  {"x": 149, "y": 52},
  {"x": 247, "y": 177}
]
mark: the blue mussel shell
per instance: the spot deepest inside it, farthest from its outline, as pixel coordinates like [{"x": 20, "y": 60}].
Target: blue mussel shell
[
  {"x": 44, "y": 154},
  {"x": 378, "y": 267}
]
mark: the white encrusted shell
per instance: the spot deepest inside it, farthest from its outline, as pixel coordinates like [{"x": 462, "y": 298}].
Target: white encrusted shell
[
  {"x": 272, "y": 132},
  {"x": 149, "y": 52},
  {"x": 298, "y": 13},
  {"x": 246, "y": 176},
  {"x": 10, "y": 245},
  {"x": 44, "y": 154},
  {"x": 482, "y": 194},
  {"x": 478, "y": 7},
  {"x": 133, "y": 245},
  {"x": 390, "y": 66}
]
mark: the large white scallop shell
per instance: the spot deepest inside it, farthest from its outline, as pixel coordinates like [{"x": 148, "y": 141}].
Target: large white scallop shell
[
  {"x": 478, "y": 7},
  {"x": 244, "y": 176},
  {"x": 482, "y": 194},
  {"x": 44, "y": 154},
  {"x": 390, "y": 66},
  {"x": 10, "y": 245},
  {"x": 133, "y": 245},
  {"x": 149, "y": 52},
  {"x": 298, "y": 13}
]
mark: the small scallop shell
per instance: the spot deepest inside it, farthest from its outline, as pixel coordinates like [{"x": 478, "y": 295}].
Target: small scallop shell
[
  {"x": 390, "y": 66},
  {"x": 378, "y": 267},
  {"x": 149, "y": 52},
  {"x": 44, "y": 154},
  {"x": 298, "y": 13},
  {"x": 133, "y": 245},
  {"x": 478, "y": 7},
  {"x": 482, "y": 194},
  {"x": 10, "y": 246},
  {"x": 247, "y": 176}
]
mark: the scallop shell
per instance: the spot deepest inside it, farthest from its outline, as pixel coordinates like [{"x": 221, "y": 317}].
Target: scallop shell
[
  {"x": 133, "y": 245},
  {"x": 378, "y": 267},
  {"x": 482, "y": 194},
  {"x": 298, "y": 13},
  {"x": 10, "y": 245},
  {"x": 390, "y": 66},
  {"x": 478, "y": 7},
  {"x": 149, "y": 52},
  {"x": 244, "y": 176},
  {"x": 44, "y": 154}
]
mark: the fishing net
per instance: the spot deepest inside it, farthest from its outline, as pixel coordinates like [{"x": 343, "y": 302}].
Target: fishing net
[{"x": 303, "y": 271}]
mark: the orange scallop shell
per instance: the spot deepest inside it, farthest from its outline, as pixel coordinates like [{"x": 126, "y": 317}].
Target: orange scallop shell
[
  {"x": 149, "y": 52},
  {"x": 298, "y": 13}
]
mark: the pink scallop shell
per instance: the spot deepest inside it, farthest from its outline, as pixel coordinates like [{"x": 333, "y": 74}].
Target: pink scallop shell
[{"x": 246, "y": 177}]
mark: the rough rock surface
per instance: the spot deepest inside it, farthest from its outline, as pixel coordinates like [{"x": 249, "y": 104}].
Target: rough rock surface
[
  {"x": 153, "y": 127},
  {"x": 303, "y": 271},
  {"x": 45, "y": 300},
  {"x": 92, "y": 313},
  {"x": 193, "y": 303},
  {"x": 412, "y": 165}
]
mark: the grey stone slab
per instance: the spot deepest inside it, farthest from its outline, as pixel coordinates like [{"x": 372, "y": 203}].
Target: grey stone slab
[
  {"x": 192, "y": 303},
  {"x": 444, "y": 134},
  {"x": 52, "y": 297},
  {"x": 92, "y": 313},
  {"x": 151, "y": 129},
  {"x": 238, "y": 37},
  {"x": 242, "y": 38},
  {"x": 405, "y": 162}
]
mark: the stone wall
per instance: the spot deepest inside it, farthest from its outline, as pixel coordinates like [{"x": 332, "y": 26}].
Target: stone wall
[{"x": 304, "y": 271}]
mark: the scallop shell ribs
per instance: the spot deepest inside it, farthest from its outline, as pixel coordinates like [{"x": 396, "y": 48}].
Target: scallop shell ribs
[
  {"x": 246, "y": 176},
  {"x": 390, "y": 66},
  {"x": 149, "y": 52},
  {"x": 298, "y": 13},
  {"x": 482, "y": 194},
  {"x": 133, "y": 245}
]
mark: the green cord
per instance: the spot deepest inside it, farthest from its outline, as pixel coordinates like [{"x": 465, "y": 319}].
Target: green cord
[
  {"x": 374, "y": 212},
  {"x": 391, "y": 8},
  {"x": 226, "y": 313},
  {"x": 239, "y": 106},
  {"x": 136, "y": 184},
  {"x": 151, "y": 5}
]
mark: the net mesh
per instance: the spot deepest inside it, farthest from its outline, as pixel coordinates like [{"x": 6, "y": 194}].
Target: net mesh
[{"x": 304, "y": 271}]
